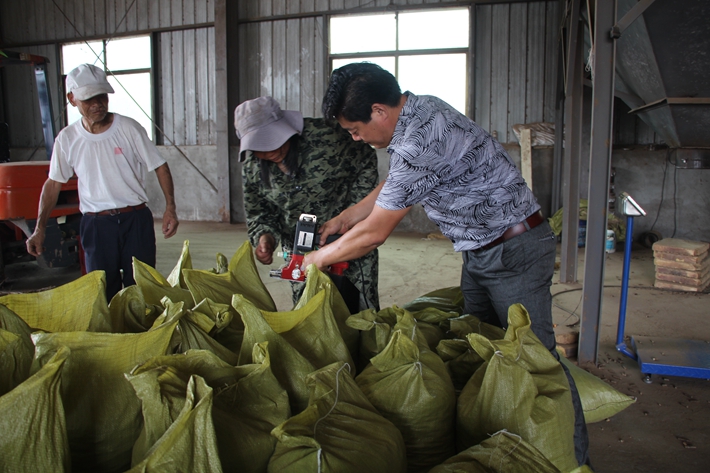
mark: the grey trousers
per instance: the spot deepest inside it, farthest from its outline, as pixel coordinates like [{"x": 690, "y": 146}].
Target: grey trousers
[{"x": 520, "y": 270}]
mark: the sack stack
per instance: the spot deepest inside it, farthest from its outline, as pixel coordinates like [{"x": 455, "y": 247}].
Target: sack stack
[{"x": 682, "y": 265}]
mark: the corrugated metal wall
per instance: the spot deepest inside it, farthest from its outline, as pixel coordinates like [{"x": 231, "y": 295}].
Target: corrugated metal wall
[
  {"x": 185, "y": 67},
  {"x": 514, "y": 64},
  {"x": 47, "y": 21},
  {"x": 282, "y": 52}
]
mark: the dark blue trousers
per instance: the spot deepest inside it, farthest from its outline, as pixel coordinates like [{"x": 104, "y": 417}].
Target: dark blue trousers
[
  {"x": 111, "y": 241},
  {"x": 520, "y": 270}
]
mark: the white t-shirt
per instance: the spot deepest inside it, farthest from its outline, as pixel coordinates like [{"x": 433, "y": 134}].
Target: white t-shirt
[{"x": 110, "y": 166}]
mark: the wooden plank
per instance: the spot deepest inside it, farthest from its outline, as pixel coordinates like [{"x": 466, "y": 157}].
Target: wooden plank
[
  {"x": 153, "y": 14},
  {"x": 307, "y": 40},
  {"x": 202, "y": 87},
  {"x": 265, "y": 8},
  {"x": 40, "y": 20},
  {"x": 320, "y": 68},
  {"x": 188, "y": 12},
  {"x": 249, "y": 62},
  {"x": 278, "y": 57},
  {"x": 293, "y": 8},
  {"x": 71, "y": 29},
  {"x": 526, "y": 156},
  {"x": 517, "y": 62},
  {"x": 265, "y": 66},
  {"x": 293, "y": 65},
  {"x": 278, "y": 7},
  {"x": 87, "y": 18},
  {"x": 212, "y": 97},
  {"x": 142, "y": 15},
  {"x": 211, "y": 11},
  {"x": 552, "y": 22},
  {"x": 176, "y": 13},
  {"x": 534, "y": 95},
  {"x": 202, "y": 11},
  {"x": 482, "y": 59},
  {"x": 165, "y": 13},
  {"x": 278, "y": 52},
  {"x": 189, "y": 95},
  {"x": 178, "y": 63},
  {"x": 308, "y": 6},
  {"x": 166, "y": 87},
  {"x": 499, "y": 71},
  {"x": 322, "y": 5}
]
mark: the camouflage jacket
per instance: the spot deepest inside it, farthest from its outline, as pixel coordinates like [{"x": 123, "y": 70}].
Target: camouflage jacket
[{"x": 333, "y": 173}]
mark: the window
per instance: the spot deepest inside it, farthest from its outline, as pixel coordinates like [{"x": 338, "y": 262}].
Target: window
[
  {"x": 127, "y": 62},
  {"x": 427, "y": 51}
]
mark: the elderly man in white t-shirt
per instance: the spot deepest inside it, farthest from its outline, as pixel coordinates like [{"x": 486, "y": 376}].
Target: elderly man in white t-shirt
[{"x": 110, "y": 155}]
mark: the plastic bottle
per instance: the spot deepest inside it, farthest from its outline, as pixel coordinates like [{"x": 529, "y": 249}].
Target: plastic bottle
[{"x": 610, "y": 246}]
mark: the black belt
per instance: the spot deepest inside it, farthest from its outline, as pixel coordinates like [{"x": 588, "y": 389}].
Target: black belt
[
  {"x": 532, "y": 221},
  {"x": 122, "y": 210}
]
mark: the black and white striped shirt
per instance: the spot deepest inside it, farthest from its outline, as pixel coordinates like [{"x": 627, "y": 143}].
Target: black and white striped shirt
[{"x": 463, "y": 178}]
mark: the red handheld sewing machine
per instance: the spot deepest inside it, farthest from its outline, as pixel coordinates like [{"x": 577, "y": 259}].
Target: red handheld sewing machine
[{"x": 305, "y": 241}]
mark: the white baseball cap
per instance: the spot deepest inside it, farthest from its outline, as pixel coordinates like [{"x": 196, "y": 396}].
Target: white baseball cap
[
  {"x": 261, "y": 125},
  {"x": 86, "y": 81}
]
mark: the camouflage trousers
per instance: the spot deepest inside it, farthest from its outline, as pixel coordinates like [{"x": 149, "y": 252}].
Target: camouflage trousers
[{"x": 363, "y": 273}]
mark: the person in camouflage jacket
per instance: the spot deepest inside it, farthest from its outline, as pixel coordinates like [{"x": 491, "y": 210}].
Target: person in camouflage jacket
[{"x": 294, "y": 165}]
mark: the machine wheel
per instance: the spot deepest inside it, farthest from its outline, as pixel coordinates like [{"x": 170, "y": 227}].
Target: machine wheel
[{"x": 647, "y": 379}]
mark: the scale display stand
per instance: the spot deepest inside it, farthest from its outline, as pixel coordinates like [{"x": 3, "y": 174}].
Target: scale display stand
[{"x": 656, "y": 355}]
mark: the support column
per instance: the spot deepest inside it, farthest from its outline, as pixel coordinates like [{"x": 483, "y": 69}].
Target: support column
[
  {"x": 604, "y": 72},
  {"x": 573, "y": 145}
]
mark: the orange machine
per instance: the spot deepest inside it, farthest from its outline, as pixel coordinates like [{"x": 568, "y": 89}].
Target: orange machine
[
  {"x": 21, "y": 186},
  {"x": 20, "y": 189}
]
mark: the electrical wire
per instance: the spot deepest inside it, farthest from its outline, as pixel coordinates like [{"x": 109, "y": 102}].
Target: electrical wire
[
  {"x": 663, "y": 186},
  {"x": 574, "y": 312}
]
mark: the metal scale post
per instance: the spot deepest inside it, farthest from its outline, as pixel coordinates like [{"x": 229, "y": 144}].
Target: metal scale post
[{"x": 663, "y": 356}]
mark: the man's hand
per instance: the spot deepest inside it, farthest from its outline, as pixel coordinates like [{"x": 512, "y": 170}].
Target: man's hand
[
  {"x": 334, "y": 226},
  {"x": 313, "y": 258},
  {"x": 35, "y": 243},
  {"x": 170, "y": 223},
  {"x": 264, "y": 250}
]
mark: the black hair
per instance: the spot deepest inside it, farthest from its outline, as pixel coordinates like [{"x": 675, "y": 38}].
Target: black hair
[{"x": 354, "y": 88}]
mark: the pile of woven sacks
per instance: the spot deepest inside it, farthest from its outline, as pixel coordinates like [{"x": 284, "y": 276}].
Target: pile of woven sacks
[{"x": 199, "y": 372}]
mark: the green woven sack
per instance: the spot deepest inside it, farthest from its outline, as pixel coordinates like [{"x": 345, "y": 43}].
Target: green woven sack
[
  {"x": 461, "y": 360},
  {"x": 130, "y": 312},
  {"x": 288, "y": 365},
  {"x": 77, "y": 306},
  {"x": 503, "y": 452},
  {"x": 154, "y": 286},
  {"x": 196, "y": 325},
  {"x": 175, "y": 278},
  {"x": 32, "y": 422},
  {"x": 409, "y": 386},
  {"x": 599, "y": 400},
  {"x": 339, "y": 432},
  {"x": 248, "y": 403},
  {"x": 189, "y": 443},
  {"x": 377, "y": 327},
  {"x": 242, "y": 278},
  {"x": 16, "y": 350},
  {"x": 448, "y": 299},
  {"x": 319, "y": 281},
  {"x": 520, "y": 388},
  {"x": 102, "y": 410},
  {"x": 310, "y": 331}
]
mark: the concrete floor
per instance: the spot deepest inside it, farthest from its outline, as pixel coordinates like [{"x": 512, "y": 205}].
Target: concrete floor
[{"x": 665, "y": 430}]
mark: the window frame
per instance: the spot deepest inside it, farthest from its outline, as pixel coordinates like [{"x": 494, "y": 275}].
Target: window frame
[{"x": 398, "y": 53}]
